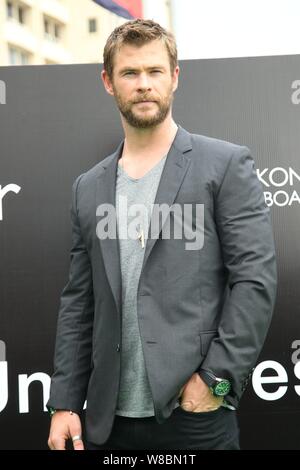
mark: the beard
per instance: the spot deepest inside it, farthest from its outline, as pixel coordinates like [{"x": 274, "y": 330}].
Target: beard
[{"x": 145, "y": 121}]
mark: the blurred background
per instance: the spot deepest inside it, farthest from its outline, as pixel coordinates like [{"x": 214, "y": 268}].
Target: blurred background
[{"x": 35, "y": 32}]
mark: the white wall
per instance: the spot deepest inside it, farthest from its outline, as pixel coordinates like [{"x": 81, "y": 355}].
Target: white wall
[
  {"x": 157, "y": 10},
  {"x": 236, "y": 28}
]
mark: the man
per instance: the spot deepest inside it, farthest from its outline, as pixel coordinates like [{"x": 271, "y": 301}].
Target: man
[{"x": 160, "y": 335}]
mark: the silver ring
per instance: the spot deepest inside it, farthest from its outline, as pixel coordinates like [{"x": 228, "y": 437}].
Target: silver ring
[{"x": 76, "y": 438}]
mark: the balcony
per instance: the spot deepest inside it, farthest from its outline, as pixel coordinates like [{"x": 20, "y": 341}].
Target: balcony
[
  {"x": 29, "y": 3},
  {"x": 56, "y": 10},
  {"x": 54, "y": 52},
  {"x": 19, "y": 35}
]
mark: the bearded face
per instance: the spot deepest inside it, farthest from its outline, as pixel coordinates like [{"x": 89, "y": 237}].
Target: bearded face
[
  {"x": 143, "y": 84},
  {"x": 146, "y": 110}
]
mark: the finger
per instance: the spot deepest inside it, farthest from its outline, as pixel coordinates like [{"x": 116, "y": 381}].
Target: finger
[
  {"x": 77, "y": 443},
  {"x": 207, "y": 409},
  {"x": 50, "y": 445},
  {"x": 188, "y": 405},
  {"x": 58, "y": 444}
]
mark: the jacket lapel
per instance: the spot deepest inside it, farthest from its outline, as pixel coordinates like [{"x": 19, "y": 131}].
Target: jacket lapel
[
  {"x": 106, "y": 194},
  {"x": 173, "y": 173}
]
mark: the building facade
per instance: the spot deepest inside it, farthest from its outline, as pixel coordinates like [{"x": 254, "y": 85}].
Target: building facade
[{"x": 61, "y": 31}]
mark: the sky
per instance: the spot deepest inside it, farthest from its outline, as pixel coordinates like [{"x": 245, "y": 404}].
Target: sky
[{"x": 236, "y": 28}]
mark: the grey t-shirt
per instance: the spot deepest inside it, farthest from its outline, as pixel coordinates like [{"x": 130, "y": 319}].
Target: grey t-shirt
[{"x": 135, "y": 398}]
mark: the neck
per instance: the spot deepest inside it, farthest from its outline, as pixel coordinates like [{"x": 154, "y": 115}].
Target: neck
[{"x": 145, "y": 143}]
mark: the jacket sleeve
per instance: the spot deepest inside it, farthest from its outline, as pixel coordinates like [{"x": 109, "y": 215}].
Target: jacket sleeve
[
  {"x": 73, "y": 349},
  {"x": 246, "y": 238}
]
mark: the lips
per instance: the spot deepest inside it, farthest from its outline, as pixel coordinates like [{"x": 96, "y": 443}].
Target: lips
[{"x": 145, "y": 101}]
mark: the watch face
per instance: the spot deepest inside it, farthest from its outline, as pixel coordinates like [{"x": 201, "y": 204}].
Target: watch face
[{"x": 222, "y": 388}]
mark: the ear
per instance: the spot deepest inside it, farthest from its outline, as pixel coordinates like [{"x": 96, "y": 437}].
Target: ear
[
  {"x": 175, "y": 78},
  {"x": 107, "y": 82}
]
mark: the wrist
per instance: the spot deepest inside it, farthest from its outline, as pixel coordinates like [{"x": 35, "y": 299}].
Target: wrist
[
  {"x": 218, "y": 386},
  {"x": 52, "y": 411}
]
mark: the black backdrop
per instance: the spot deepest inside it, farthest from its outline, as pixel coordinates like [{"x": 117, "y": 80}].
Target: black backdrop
[{"x": 58, "y": 122}]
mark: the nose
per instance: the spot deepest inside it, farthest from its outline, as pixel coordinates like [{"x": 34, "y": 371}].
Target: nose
[{"x": 144, "y": 82}]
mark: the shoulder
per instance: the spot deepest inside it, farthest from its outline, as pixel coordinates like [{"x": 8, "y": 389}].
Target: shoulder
[
  {"x": 216, "y": 156},
  {"x": 97, "y": 169},
  {"x": 92, "y": 174},
  {"x": 217, "y": 148}
]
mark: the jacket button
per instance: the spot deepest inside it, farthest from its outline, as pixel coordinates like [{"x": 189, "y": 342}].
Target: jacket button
[{"x": 118, "y": 348}]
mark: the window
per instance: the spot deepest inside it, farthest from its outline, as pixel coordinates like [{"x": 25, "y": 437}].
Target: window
[
  {"x": 21, "y": 15},
  {"x": 9, "y": 10},
  {"x": 46, "y": 26},
  {"x": 56, "y": 30},
  {"x": 18, "y": 56},
  {"x": 92, "y": 25},
  {"x": 15, "y": 11},
  {"x": 52, "y": 29}
]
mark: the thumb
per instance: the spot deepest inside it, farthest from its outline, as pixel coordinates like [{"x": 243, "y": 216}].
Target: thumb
[{"x": 188, "y": 405}]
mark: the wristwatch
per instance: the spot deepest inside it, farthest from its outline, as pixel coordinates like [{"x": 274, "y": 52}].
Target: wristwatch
[
  {"x": 219, "y": 387},
  {"x": 52, "y": 411}
]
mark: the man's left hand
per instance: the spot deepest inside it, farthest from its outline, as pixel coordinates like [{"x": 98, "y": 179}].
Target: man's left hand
[{"x": 196, "y": 396}]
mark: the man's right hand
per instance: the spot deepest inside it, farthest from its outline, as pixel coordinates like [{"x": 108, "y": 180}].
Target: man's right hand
[{"x": 65, "y": 426}]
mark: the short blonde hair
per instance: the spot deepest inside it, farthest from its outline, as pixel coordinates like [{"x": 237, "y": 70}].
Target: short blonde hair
[{"x": 138, "y": 32}]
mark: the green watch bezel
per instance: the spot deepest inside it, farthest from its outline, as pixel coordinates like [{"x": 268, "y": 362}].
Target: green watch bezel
[{"x": 221, "y": 388}]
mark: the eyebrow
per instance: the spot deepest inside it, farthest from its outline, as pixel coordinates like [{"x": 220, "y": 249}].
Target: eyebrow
[{"x": 133, "y": 69}]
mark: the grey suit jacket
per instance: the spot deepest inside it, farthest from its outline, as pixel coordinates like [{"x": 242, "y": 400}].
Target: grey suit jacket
[{"x": 210, "y": 307}]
